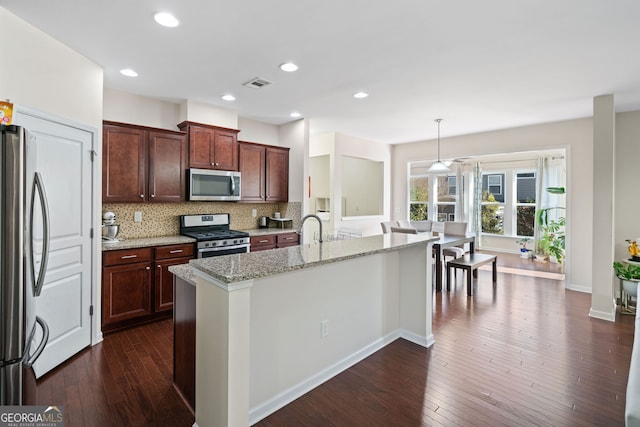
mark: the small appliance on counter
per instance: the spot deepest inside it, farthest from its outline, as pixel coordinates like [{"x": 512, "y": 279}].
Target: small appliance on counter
[
  {"x": 110, "y": 229},
  {"x": 263, "y": 222}
]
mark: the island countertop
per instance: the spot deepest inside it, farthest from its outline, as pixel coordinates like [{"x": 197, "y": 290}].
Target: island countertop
[{"x": 247, "y": 266}]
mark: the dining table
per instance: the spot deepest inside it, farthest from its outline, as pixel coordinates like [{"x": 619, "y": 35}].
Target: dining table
[{"x": 449, "y": 241}]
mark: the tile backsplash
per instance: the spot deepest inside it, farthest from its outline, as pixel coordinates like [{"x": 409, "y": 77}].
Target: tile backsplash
[{"x": 161, "y": 219}]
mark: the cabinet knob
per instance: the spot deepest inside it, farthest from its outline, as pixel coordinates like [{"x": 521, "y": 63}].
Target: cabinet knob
[
  {"x": 153, "y": 195},
  {"x": 148, "y": 268},
  {"x": 213, "y": 164},
  {"x": 142, "y": 196},
  {"x": 159, "y": 266}
]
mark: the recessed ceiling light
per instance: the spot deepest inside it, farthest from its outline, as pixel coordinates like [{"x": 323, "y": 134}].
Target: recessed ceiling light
[
  {"x": 166, "y": 19},
  {"x": 228, "y": 97},
  {"x": 295, "y": 114},
  {"x": 128, "y": 72},
  {"x": 360, "y": 95},
  {"x": 289, "y": 67}
]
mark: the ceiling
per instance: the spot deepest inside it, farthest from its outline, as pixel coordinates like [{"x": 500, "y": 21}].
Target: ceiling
[{"x": 478, "y": 65}]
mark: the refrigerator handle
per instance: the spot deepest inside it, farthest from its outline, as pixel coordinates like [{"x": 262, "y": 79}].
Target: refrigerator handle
[
  {"x": 45, "y": 338},
  {"x": 38, "y": 187}
]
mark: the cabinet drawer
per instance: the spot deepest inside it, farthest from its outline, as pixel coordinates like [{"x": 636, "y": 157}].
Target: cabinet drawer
[
  {"x": 288, "y": 239},
  {"x": 263, "y": 240},
  {"x": 174, "y": 251},
  {"x": 127, "y": 256}
]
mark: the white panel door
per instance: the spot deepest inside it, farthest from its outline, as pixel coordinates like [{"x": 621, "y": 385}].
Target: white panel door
[{"x": 64, "y": 160}]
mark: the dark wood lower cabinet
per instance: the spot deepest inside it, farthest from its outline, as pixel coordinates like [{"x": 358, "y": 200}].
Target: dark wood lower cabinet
[
  {"x": 137, "y": 286},
  {"x": 126, "y": 292},
  {"x": 184, "y": 341}
]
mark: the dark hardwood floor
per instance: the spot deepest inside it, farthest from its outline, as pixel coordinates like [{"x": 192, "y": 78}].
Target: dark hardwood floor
[
  {"x": 124, "y": 381},
  {"x": 523, "y": 354}
]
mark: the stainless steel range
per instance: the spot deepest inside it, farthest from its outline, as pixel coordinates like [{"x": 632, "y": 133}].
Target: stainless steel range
[{"x": 214, "y": 238}]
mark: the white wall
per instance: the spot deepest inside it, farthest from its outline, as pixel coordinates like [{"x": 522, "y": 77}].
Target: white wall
[
  {"x": 140, "y": 110},
  {"x": 39, "y": 72},
  {"x": 336, "y": 146},
  {"x": 47, "y": 76},
  {"x": 254, "y": 131},
  {"x": 296, "y": 136},
  {"x": 208, "y": 114},
  {"x": 362, "y": 186},
  {"x": 627, "y": 182},
  {"x": 576, "y": 136}
]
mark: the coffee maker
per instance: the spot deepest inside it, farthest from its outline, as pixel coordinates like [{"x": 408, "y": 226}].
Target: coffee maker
[{"x": 110, "y": 229}]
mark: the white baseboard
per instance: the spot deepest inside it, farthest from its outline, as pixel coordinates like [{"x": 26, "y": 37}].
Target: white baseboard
[
  {"x": 287, "y": 396},
  {"x": 603, "y": 315},
  {"x": 578, "y": 288}
]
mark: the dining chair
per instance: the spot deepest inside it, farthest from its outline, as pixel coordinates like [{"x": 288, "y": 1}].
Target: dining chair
[
  {"x": 406, "y": 230},
  {"x": 454, "y": 228},
  {"x": 386, "y": 226}
]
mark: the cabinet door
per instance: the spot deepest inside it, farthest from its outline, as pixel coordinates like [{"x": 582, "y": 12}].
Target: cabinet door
[
  {"x": 201, "y": 142},
  {"x": 167, "y": 167},
  {"x": 124, "y": 154},
  {"x": 251, "y": 162},
  {"x": 225, "y": 151},
  {"x": 164, "y": 283},
  {"x": 277, "y": 173},
  {"x": 126, "y": 292}
]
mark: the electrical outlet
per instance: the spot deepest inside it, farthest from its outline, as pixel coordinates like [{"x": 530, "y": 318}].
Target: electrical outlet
[
  {"x": 137, "y": 216},
  {"x": 254, "y": 213},
  {"x": 324, "y": 328}
]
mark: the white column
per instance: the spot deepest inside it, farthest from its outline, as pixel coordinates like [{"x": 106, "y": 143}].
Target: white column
[
  {"x": 603, "y": 296},
  {"x": 222, "y": 354}
]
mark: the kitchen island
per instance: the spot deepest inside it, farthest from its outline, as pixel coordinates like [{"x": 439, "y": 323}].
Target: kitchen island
[{"x": 272, "y": 325}]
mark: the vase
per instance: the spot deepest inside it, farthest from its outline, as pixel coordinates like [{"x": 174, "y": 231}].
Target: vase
[{"x": 630, "y": 287}]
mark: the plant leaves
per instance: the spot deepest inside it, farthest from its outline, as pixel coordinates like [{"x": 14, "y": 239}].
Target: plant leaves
[{"x": 556, "y": 190}]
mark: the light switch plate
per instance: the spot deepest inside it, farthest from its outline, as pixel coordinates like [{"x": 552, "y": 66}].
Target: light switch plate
[{"x": 137, "y": 217}]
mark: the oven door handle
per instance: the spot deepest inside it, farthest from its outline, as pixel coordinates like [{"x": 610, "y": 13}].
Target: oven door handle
[{"x": 223, "y": 248}]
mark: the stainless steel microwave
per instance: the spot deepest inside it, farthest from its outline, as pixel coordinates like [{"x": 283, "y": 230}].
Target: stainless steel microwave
[{"x": 214, "y": 185}]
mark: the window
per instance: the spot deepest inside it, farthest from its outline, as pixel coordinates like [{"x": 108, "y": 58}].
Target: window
[
  {"x": 525, "y": 203},
  {"x": 419, "y": 198},
  {"x": 492, "y": 214},
  {"x": 451, "y": 182},
  {"x": 493, "y": 184},
  {"x": 446, "y": 198},
  {"x": 493, "y": 203}
]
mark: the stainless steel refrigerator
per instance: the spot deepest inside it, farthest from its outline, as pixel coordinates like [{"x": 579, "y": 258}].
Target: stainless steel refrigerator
[{"x": 24, "y": 248}]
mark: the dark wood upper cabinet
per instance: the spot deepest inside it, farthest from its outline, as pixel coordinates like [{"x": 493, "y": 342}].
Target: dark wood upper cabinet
[
  {"x": 167, "y": 166},
  {"x": 142, "y": 164},
  {"x": 124, "y": 152},
  {"x": 211, "y": 147},
  {"x": 265, "y": 172},
  {"x": 252, "y": 167},
  {"x": 277, "y": 173}
]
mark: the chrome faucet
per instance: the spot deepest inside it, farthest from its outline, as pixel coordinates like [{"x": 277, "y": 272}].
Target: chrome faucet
[{"x": 319, "y": 223}]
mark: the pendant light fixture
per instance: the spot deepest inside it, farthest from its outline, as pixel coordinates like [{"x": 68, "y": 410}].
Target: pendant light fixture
[{"x": 439, "y": 166}]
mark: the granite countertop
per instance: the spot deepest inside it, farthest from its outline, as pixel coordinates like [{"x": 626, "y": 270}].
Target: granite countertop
[
  {"x": 252, "y": 265},
  {"x": 185, "y": 272},
  {"x": 146, "y": 242}
]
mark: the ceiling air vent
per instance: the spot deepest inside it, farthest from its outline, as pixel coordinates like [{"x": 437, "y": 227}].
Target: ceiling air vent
[{"x": 257, "y": 83}]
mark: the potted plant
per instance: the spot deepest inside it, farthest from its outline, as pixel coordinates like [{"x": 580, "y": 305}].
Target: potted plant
[
  {"x": 552, "y": 237},
  {"x": 630, "y": 276},
  {"x": 523, "y": 242}
]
